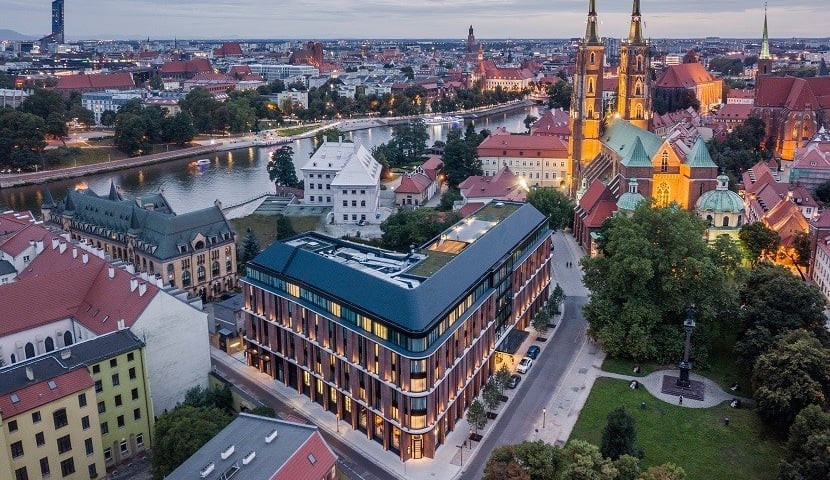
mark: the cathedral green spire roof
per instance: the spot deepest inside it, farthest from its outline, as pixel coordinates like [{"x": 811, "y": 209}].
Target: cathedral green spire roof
[
  {"x": 699, "y": 156},
  {"x": 637, "y": 156},
  {"x": 765, "y": 40},
  {"x": 635, "y": 32},
  {"x": 591, "y": 31}
]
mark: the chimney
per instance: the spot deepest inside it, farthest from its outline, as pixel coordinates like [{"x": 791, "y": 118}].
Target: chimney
[
  {"x": 39, "y": 246},
  {"x": 85, "y": 258},
  {"x": 121, "y": 325},
  {"x": 74, "y": 253},
  {"x": 111, "y": 271},
  {"x": 142, "y": 289},
  {"x": 30, "y": 374},
  {"x": 62, "y": 247},
  {"x": 133, "y": 284},
  {"x": 144, "y": 276},
  {"x": 55, "y": 242}
]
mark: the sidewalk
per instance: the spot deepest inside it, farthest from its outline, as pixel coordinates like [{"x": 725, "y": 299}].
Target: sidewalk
[{"x": 713, "y": 394}]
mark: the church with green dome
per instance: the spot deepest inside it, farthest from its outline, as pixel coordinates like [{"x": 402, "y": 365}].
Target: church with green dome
[{"x": 722, "y": 209}]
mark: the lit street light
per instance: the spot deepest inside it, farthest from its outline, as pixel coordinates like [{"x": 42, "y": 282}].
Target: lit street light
[{"x": 544, "y": 416}]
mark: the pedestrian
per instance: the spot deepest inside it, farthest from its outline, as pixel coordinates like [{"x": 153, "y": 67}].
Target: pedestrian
[{"x": 680, "y": 400}]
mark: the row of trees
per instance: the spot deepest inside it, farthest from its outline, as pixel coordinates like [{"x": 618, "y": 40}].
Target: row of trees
[
  {"x": 578, "y": 460},
  {"x": 408, "y": 143},
  {"x": 467, "y": 98},
  {"x": 743, "y": 147},
  {"x": 137, "y": 128},
  {"x": 43, "y": 114}
]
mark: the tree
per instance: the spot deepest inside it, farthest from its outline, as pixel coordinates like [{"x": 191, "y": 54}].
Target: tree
[
  {"x": 802, "y": 248},
  {"x": 284, "y": 228},
  {"x": 131, "y": 134},
  {"x": 555, "y": 300},
  {"x": 491, "y": 394},
  {"x": 652, "y": 266},
  {"x": 44, "y": 103},
  {"x": 667, "y": 471},
  {"x": 22, "y": 138},
  {"x": 250, "y": 247},
  {"x": 560, "y": 95},
  {"x": 793, "y": 374},
  {"x": 156, "y": 83},
  {"x": 108, "y": 118},
  {"x": 727, "y": 254},
  {"x": 528, "y": 460},
  {"x": 407, "y": 70},
  {"x": 181, "y": 432},
  {"x": 619, "y": 437},
  {"x": 823, "y": 192},
  {"x": 178, "y": 129},
  {"x": 82, "y": 115},
  {"x": 585, "y": 462},
  {"x": 411, "y": 138},
  {"x": 766, "y": 313},
  {"x": 56, "y": 126},
  {"x": 264, "y": 411},
  {"x": 476, "y": 416},
  {"x": 822, "y": 68},
  {"x": 540, "y": 322},
  {"x": 460, "y": 161},
  {"x": 281, "y": 167},
  {"x": 502, "y": 377},
  {"x": 759, "y": 240},
  {"x": 529, "y": 121},
  {"x": 204, "y": 109},
  {"x": 628, "y": 467},
  {"x": 808, "y": 448},
  {"x": 448, "y": 199},
  {"x": 414, "y": 227},
  {"x": 558, "y": 207}
]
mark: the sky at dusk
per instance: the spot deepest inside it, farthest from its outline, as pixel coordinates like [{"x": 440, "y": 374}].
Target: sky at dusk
[{"x": 324, "y": 19}]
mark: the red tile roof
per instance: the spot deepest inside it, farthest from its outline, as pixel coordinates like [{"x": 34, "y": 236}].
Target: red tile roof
[
  {"x": 15, "y": 244},
  {"x": 786, "y": 219},
  {"x": 529, "y": 146},
  {"x": 228, "y": 50},
  {"x": 685, "y": 75},
  {"x": 190, "y": 67},
  {"x": 497, "y": 186},
  {"x": 553, "y": 122},
  {"x": 417, "y": 183},
  {"x": 56, "y": 286},
  {"x": 793, "y": 93},
  {"x": 596, "y": 204},
  {"x": 96, "y": 81},
  {"x": 39, "y": 393},
  {"x": 815, "y": 155},
  {"x": 300, "y": 467},
  {"x": 470, "y": 208},
  {"x": 733, "y": 112}
]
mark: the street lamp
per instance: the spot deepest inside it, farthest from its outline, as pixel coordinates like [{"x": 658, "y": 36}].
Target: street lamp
[
  {"x": 461, "y": 451},
  {"x": 685, "y": 366},
  {"x": 470, "y": 440},
  {"x": 544, "y": 416}
]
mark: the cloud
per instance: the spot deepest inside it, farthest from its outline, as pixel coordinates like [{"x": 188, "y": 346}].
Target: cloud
[{"x": 411, "y": 19}]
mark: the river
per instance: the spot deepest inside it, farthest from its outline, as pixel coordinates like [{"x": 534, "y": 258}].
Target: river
[{"x": 232, "y": 177}]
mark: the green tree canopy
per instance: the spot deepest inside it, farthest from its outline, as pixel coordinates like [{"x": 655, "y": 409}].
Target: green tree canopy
[
  {"x": 476, "y": 415},
  {"x": 201, "y": 105},
  {"x": 667, "y": 471},
  {"x": 558, "y": 207},
  {"x": 759, "y": 240},
  {"x": 181, "y": 432},
  {"x": 793, "y": 374},
  {"x": 414, "y": 227},
  {"x": 560, "y": 95},
  {"x": 491, "y": 394},
  {"x": 281, "y": 167},
  {"x": 808, "y": 448},
  {"x": 619, "y": 437},
  {"x": 460, "y": 160},
  {"x": 652, "y": 266},
  {"x": 44, "y": 103},
  {"x": 131, "y": 134},
  {"x": 767, "y": 313},
  {"x": 448, "y": 199},
  {"x": 250, "y": 247},
  {"x": 531, "y": 460},
  {"x": 108, "y": 118},
  {"x": 178, "y": 129},
  {"x": 22, "y": 138}
]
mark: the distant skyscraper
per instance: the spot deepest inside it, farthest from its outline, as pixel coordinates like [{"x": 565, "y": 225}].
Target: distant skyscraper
[{"x": 57, "y": 21}]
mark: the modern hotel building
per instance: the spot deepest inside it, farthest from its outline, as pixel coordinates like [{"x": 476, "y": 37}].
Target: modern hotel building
[{"x": 397, "y": 344}]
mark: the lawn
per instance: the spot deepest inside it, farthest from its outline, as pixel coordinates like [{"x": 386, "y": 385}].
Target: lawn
[
  {"x": 265, "y": 227},
  {"x": 695, "y": 439}
]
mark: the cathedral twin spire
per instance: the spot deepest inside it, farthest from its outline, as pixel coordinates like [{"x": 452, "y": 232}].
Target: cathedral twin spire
[
  {"x": 765, "y": 55},
  {"x": 591, "y": 32},
  {"x": 635, "y": 32}
]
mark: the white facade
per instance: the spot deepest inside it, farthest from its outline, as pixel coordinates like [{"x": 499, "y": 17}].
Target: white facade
[
  {"x": 110, "y": 100},
  {"x": 12, "y": 98},
  {"x": 283, "y": 71},
  {"x": 177, "y": 351},
  {"x": 345, "y": 177},
  {"x": 296, "y": 97},
  {"x": 24, "y": 257},
  {"x": 13, "y": 348},
  {"x": 821, "y": 267}
]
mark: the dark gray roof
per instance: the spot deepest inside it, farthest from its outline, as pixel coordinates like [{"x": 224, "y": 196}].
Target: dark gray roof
[
  {"x": 6, "y": 267},
  {"x": 412, "y": 309},
  {"x": 247, "y": 433},
  {"x": 160, "y": 232},
  {"x": 89, "y": 352}
]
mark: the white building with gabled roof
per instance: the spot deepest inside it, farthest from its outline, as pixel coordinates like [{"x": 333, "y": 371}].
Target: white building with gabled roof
[{"x": 346, "y": 177}]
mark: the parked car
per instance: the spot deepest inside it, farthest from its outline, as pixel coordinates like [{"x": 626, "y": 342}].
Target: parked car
[
  {"x": 524, "y": 365},
  {"x": 533, "y": 351},
  {"x": 514, "y": 381}
]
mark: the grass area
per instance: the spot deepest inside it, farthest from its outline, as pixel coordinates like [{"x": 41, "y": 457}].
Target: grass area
[
  {"x": 265, "y": 227},
  {"x": 88, "y": 156},
  {"x": 434, "y": 261},
  {"x": 290, "y": 131},
  {"x": 695, "y": 439}
]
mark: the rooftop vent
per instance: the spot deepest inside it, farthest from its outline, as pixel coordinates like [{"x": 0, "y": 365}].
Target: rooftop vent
[
  {"x": 228, "y": 452},
  {"x": 52, "y": 385},
  {"x": 271, "y": 436},
  {"x": 66, "y": 353},
  {"x": 249, "y": 457},
  {"x": 207, "y": 470},
  {"x": 30, "y": 374},
  {"x": 499, "y": 204}
]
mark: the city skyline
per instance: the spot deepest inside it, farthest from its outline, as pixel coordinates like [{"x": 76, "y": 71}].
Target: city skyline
[{"x": 325, "y": 19}]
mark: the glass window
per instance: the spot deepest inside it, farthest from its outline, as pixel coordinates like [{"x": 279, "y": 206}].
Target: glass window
[
  {"x": 85, "y": 422},
  {"x": 130, "y": 356},
  {"x": 88, "y": 445},
  {"x": 99, "y": 387},
  {"x": 115, "y": 380},
  {"x": 134, "y": 394},
  {"x": 120, "y": 420},
  {"x": 137, "y": 413},
  {"x": 39, "y": 439},
  {"x": 82, "y": 400},
  {"x": 132, "y": 373},
  {"x": 113, "y": 363},
  {"x": 21, "y": 474},
  {"x": 139, "y": 439},
  {"x": 44, "y": 467},
  {"x": 13, "y": 426},
  {"x": 64, "y": 444},
  {"x": 35, "y": 418},
  {"x": 102, "y": 407},
  {"x": 105, "y": 429},
  {"x": 17, "y": 449},
  {"x": 59, "y": 416},
  {"x": 68, "y": 467},
  {"x": 93, "y": 470}
]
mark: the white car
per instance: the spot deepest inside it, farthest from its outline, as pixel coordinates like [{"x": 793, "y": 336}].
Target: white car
[{"x": 524, "y": 365}]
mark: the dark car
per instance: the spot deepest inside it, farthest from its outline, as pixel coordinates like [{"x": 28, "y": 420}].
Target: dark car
[
  {"x": 533, "y": 351},
  {"x": 514, "y": 381}
]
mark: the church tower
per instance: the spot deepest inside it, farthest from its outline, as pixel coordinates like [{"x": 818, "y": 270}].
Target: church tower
[
  {"x": 586, "y": 100},
  {"x": 634, "y": 95},
  {"x": 764, "y": 59}
]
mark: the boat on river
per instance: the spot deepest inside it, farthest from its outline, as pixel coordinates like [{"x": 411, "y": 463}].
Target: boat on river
[{"x": 443, "y": 120}]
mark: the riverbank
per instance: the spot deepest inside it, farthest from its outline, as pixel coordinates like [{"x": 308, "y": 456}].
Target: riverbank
[{"x": 34, "y": 178}]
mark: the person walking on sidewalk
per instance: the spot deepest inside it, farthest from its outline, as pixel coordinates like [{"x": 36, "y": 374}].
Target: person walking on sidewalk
[{"x": 680, "y": 400}]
